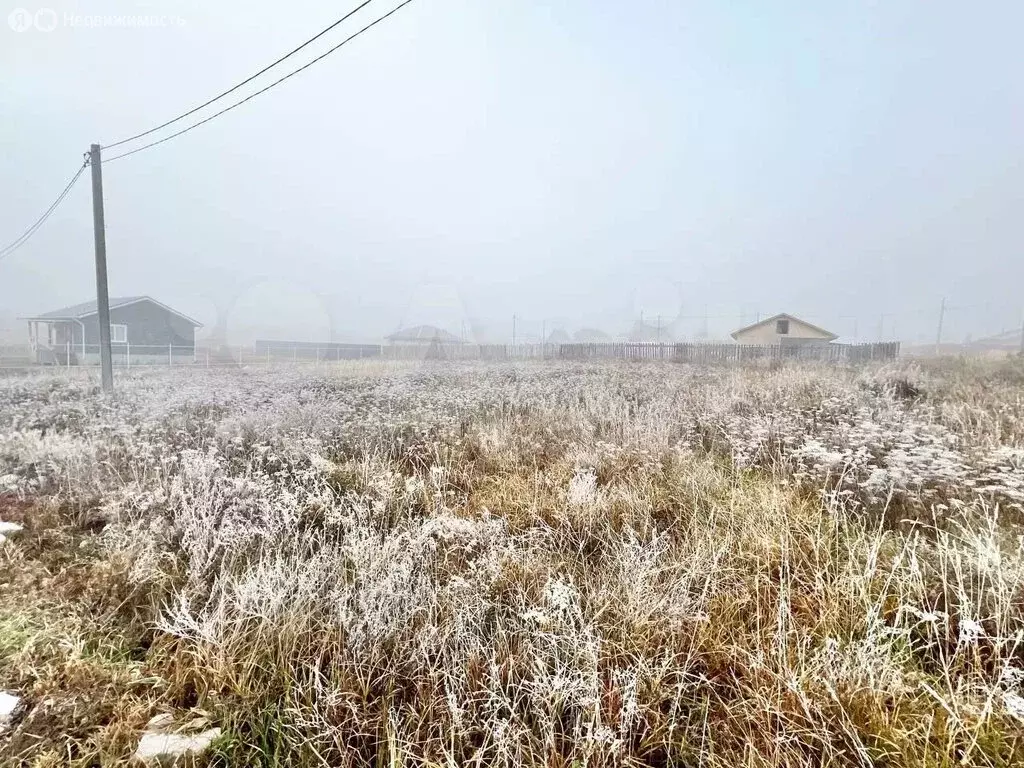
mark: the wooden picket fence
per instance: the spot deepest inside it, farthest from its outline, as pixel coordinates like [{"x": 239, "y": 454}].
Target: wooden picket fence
[
  {"x": 722, "y": 352},
  {"x": 687, "y": 352}
]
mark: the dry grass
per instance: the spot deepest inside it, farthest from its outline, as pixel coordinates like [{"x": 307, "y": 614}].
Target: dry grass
[{"x": 544, "y": 565}]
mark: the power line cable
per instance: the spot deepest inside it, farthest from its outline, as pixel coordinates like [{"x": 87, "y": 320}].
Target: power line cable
[
  {"x": 322, "y": 56},
  {"x": 249, "y": 79},
  {"x": 11, "y": 248}
]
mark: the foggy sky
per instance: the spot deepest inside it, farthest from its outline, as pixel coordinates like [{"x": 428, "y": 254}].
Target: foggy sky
[{"x": 568, "y": 162}]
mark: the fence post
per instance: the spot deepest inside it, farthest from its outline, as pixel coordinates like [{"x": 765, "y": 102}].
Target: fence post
[
  {"x": 127, "y": 356},
  {"x": 170, "y": 355},
  {"x": 207, "y": 357},
  {"x": 68, "y": 354}
]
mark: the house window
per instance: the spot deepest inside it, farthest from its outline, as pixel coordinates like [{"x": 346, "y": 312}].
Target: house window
[
  {"x": 118, "y": 334},
  {"x": 782, "y": 327}
]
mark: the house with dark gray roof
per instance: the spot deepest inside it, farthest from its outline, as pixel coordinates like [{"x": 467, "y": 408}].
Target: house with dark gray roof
[{"x": 142, "y": 330}]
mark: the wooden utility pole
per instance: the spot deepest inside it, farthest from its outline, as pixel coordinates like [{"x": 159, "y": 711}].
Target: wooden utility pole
[
  {"x": 938, "y": 332},
  {"x": 102, "y": 298}
]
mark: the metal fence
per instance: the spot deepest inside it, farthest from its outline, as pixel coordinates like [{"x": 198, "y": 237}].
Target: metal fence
[
  {"x": 311, "y": 351},
  {"x": 134, "y": 355},
  {"x": 122, "y": 354},
  {"x": 272, "y": 352}
]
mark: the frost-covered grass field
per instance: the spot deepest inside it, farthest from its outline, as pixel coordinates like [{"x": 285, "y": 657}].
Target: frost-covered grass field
[{"x": 548, "y": 565}]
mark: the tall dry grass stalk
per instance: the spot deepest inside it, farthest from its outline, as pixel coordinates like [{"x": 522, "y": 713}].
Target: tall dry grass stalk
[{"x": 539, "y": 565}]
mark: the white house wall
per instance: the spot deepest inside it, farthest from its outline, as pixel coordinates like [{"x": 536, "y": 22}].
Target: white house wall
[{"x": 765, "y": 333}]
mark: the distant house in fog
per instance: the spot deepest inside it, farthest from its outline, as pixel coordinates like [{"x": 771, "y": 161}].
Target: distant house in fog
[
  {"x": 558, "y": 336},
  {"x": 590, "y": 336},
  {"x": 1007, "y": 341},
  {"x": 642, "y": 332},
  {"x": 426, "y": 342},
  {"x": 423, "y": 334},
  {"x": 140, "y": 327},
  {"x": 783, "y": 329}
]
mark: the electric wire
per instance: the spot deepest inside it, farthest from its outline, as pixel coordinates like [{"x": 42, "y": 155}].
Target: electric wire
[
  {"x": 291, "y": 74},
  {"x": 249, "y": 79},
  {"x": 27, "y": 234}
]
